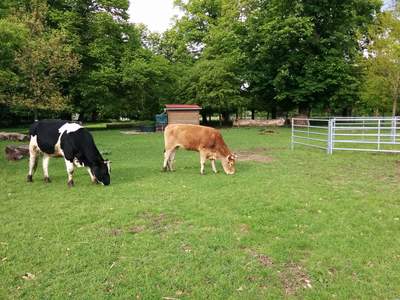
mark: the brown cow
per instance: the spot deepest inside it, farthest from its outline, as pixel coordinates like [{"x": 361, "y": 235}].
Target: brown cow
[{"x": 206, "y": 140}]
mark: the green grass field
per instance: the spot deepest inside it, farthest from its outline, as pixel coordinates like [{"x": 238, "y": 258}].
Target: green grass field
[{"x": 304, "y": 225}]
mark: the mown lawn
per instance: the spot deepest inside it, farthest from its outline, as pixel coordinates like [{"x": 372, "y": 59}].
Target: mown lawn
[{"x": 304, "y": 225}]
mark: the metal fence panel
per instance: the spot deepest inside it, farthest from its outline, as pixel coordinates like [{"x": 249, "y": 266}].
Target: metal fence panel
[{"x": 373, "y": 134}]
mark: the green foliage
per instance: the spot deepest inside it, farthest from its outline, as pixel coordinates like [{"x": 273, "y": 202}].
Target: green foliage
[
  {"x": 226, "y": 55},
  {"x": 277, "y": 54},
  {"x": 209, "y": 32},
  {"x": 381, "y": 90},
  {"x": 12, "y": 38},
  {"x": 150, "y": 78},
  {"x": 37, "y": 62},
  {"x": 304, "y": 54}
]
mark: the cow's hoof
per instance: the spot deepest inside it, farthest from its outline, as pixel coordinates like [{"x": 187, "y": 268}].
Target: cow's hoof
[
  {"x": 70, "y": 183},
  {"x": 47, "y": 179},
  {"x": 164, "y": 169},
  {"x": 29, "y": 178}
]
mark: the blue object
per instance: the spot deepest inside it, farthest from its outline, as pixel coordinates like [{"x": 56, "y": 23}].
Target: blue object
[{"x": 162, "y": 119}]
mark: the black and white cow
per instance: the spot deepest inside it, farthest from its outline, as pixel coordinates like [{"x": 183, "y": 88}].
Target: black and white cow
[{"x": 68, "y": 140}]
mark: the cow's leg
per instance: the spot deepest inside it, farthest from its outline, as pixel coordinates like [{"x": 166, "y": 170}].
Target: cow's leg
[
  {"x": 70, "y": 171},
  {"x": 203, "y": 158},
  {"x": 171, "y": 160},
  {"x": 213, "y": 166},
  {"x": 33, "y": 160},
  {"x": 45, "y": 163},
  {"x": 167, "y": 154},
  {"x": 92, "y": 176}
]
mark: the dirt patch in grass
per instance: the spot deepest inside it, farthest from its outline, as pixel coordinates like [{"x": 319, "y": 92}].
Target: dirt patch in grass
[
  {"x": 244, "y": 228},
  {"x": 254, "y": 154},
  {"x": 267, "y": 131},
  {"x": 116, "y": 232},
  {"x": 157, "y": 222},
  {"x": 134, "y": 132},
  {"x": 147, "y": 222},
  {"x": 136, "y": 229},
  {"x": 263, "y": 259},
  {"x": 294, "y": 277},
  {"x": 398, "y": 168}
]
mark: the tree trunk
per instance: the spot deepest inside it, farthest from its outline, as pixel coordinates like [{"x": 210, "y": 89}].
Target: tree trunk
[
  {"x": 95, "y": 115},
  {"x": 81, "y": 116},
  {"x": 225, "y": 117},
  {"x": 204, "y": 117},
  {"x": 394, "y": 107},
  {"x": 16, "y": 152},
  {"x": 253, "y": 114},
  {"x": 273, "y": 113},
  {"x": 304, "y": 109},
  {"x": 346, "y": 112}
]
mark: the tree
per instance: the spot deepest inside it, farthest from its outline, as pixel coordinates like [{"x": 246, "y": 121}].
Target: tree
[
  {"x": 207, "y": 44},
  {"x": 13, "y": 35},
  {"x": 99, "y": 32},
  {"x": 304, "y": 53},
  {"x": 382, "y": 85},
  {"x": 149, "y": 80},
  {"x": 42, "y": 64}
]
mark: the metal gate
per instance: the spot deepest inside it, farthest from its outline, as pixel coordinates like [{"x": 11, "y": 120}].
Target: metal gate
[{"x": 372, "y": 134}]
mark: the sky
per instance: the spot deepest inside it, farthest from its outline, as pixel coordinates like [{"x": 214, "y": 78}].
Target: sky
[{"x": 156, "y": 14}]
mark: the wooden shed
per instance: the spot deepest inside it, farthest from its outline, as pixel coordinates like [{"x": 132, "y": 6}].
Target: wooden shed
[{"x": 183, "y": 113}]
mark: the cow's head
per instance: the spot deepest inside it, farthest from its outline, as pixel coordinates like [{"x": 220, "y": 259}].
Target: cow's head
[
  {"x": 228, "y": 163},
  {"x": 102, "y": 172}
]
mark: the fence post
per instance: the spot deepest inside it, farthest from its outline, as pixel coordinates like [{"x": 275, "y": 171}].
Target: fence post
[
  {"x": 379, "y": 134},
  {"x": 329, "y": 146},
  {"x": 292, "y": 142},
  {"x": 393, "y": 131}
]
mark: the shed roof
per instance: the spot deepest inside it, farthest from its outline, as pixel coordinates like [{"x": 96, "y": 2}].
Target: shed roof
[{"x": 182, "y": 107}]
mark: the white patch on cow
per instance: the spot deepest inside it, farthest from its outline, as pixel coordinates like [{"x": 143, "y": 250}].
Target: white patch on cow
[
  {"x": 33, "y": 145},
  {"x": 57, "y": 148},
  {"x": 78, "y": 164},
  {"x": 108, "y": 163},
  {"x": 33, "y": 155},
  {"x": 69, "y": 127}
]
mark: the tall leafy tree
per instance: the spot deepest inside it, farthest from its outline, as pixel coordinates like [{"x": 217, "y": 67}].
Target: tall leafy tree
[
  {"x": 99, "y": 32},
  {"x": 148, "y": 79},
  {"x": 209, "y": 33},
  {"x": 303, "y": 53},
  {"x": 42, "y": 64},
  {"x": 381, "y": 91}
]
